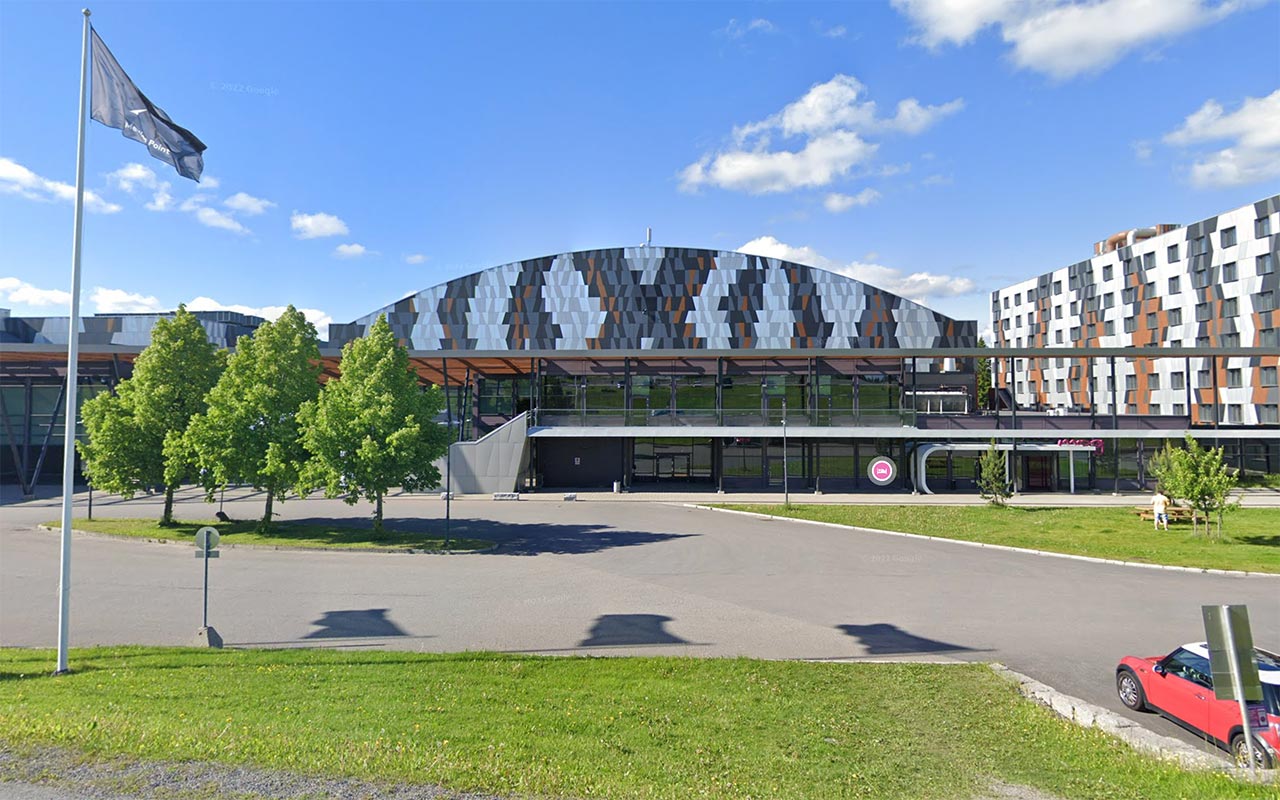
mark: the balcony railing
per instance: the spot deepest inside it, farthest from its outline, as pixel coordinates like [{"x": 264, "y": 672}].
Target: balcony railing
[{"x": 730, "y": 417}]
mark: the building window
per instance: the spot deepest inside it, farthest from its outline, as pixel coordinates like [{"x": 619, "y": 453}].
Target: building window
[
  {"x": 1004, "y": 323},
  {"x": 1230, "y": 340},
  {"x": 1176, "y": 343},
  {"x": 1179, "y": 410},
  {"x": 1006, "y": 301},
  {"x": 1109, "y": 300},
  {"x": 1153, "y": 321},
  {"x": 1075, "y": 384},
  {"x": 1107, "y": 272},
  {"x": 1266, "y": 264},
  {"x": 1267, "y": 376},
  {"x": 1057, "y": 312},
  {"x": 1233, "y": 414},
  {"x": 1130, "y": 382},
  {"x": 1265, "y": 301},
  {"x": 1268, "y": 415},
  {"x": 1018, "y": 321},
  {"x": 1075, "y": 334},
  {"x": 1130, "y": 266},
  {"x": 1261, "y": 227},
  {"x": 1228, "y": 237},
  {"x": 1109, "y": 328},
  {"x": 1075, "y": 308},
  {"x": 1153, "y": 381},
  {"x": 1230, "y": 307},
  {"x": 1175, "y": 316},
  {"x": 1200, "y": 245},
  {"x": 1148, "y": 260},
  {"x": 1175, "y": 285},
  {"x": 1204, "y": 379},
  {"x": 1057, "y": 337},
  {"x": 1060, "y": 385},
  {"x": 1130, "y": 324},
  {"x": 1020, "y": 392},
  {"x": 1206, "y": 413},
  {"x": 1057, "y": 287},
  {"x": 1267, "y": 338},
  {"x": 1202, "y": 341},
  {"x": 1235, "y": 379},
  {"x": 1229, "y": 272},
  {"x": 1173, "y": 253},
  {"x": 1203, "y": 312},
  {"x": 1149, "y": 290},
  {"x": 1177, "y": 380},
  {"x": 1129, "y": 295},
  {"x": 1017, "y": 299},
  {"x": 1154, "y": 408}
]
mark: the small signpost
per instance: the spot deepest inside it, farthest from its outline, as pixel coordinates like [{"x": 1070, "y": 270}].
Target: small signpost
[
  {"x": 882, "y": 470},
  {"x": 206, "y": 548},
  {"x": 1235, "y": 672}
]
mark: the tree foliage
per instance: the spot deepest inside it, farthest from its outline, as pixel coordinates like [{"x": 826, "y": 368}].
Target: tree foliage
[
  {"x": 1198, "y": 476},
  {"x": 250, "y": 434},
  {"x": 983, "y": 376},
  {"x": 373, "y": 428},
  {"x": 993, "y": 479},
  {"x": 128, "y": 430}
]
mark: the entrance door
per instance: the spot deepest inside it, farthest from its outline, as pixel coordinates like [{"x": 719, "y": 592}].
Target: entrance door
[{"x": 1039, "y": 472}]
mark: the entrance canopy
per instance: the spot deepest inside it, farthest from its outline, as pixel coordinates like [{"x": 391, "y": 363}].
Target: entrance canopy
[{"x": 919, "y": 473}]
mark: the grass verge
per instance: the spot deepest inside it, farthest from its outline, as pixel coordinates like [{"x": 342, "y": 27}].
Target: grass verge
[
  {"x": 582, "y": 727},
  {"x": 282, "y": 534},
  {"x": 1251, "y": 540}
]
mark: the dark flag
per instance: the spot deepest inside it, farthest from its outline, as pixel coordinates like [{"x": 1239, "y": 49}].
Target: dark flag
[{"x": 117, "y": 103}]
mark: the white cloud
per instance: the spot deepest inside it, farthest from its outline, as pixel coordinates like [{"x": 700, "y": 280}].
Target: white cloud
[
  {"x": 915, "y": 286},
  {"x": 247, "y": 204},
  {"x": 316, "y": 226},
  {"x": 415, "y": 258},
  {"x": 17, "y": 179},
  {"x": 820, "y": 162},
  {"x": 834, "y": 32},
  {"x": 213, "y": 218},
  {"x": 1064, "y": 38},
  {"x": 1141, "y": 149},
  {"x": 314, "y": 315},
  {"x": 209, "y": 182},
  {"x": 349, "y": 250},
  {"x": 832, "y": 121},
  {"x": 836, "y": 202},
  {"x": 736, "y": 29},
  {"x": 118, "y": 301},
  {"x": 1253, "y": 131},
  {"x": 134, "y": 175},
  {"x": 20, "y": 293},
  {"x": 937, "y": 180}
]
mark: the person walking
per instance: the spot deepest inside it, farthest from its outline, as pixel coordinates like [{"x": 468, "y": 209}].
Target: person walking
[{"x": 1160, "y": 504}]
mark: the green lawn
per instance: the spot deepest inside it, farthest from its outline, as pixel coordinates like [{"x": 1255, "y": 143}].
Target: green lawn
[
  {"x": 581, "y": 727},
  {"x": 282, "y": 534},
  {"x": 1251, "y": 535}
]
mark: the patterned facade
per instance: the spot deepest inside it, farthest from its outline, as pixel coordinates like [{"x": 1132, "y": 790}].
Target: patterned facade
[
  {"x": 1210, "y": 284},
  {"x": 124, "y": 330},
  {"x": 659, "y": 298}
]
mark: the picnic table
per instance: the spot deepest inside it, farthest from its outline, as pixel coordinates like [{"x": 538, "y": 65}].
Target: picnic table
[{"x": 1176, "y": 513}]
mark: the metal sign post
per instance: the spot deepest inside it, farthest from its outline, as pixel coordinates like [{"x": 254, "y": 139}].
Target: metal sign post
[
  {"x": 206, "y": 548},
  {"x": 1235, "y": 672}
]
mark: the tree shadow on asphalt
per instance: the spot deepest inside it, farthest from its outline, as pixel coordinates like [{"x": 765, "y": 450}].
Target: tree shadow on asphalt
[
  {"x": 517, "y": 539},
  {"x": 883, "y": 639}
]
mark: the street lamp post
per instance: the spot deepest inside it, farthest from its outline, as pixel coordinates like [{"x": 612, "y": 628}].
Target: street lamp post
[{"x": 786, "y": 487}]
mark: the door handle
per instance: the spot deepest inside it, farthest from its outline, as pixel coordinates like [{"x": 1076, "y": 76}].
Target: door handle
[{"x": 1200, "y": 696}]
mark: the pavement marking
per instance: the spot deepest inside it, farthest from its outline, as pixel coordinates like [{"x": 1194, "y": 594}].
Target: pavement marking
[{"x": 1009, "y": 548}]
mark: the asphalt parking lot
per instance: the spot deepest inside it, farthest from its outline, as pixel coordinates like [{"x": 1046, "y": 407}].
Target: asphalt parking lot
[{"x": 610, "y": 576}]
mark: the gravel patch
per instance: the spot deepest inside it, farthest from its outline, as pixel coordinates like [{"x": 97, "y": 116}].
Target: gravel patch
[{"x": 49, "y": 772}]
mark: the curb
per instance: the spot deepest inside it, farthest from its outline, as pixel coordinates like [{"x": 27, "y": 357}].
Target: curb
[
  {"x": 389, "y": 551},
  {"x": 1009, "y": 548},
  {"x": 1087, "y": 715}
]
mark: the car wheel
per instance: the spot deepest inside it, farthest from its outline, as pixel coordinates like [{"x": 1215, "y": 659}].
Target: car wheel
[
  {"x": 1130, "y": 691},
  {"x": 1241, "y": 752}
]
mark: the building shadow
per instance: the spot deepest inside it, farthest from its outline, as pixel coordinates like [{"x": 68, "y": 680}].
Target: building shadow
[
  {"x": 883, "y": 639},
  {"x": 626, "y": 630},
  {"x": 355, "y": 624},
  {"x": 526, "y": 539}
]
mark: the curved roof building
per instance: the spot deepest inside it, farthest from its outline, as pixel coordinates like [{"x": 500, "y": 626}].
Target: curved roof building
[{"x": 660, "y": 298}]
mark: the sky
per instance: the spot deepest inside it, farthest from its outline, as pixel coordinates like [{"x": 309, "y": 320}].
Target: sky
[{"x": 359, "y": 152}]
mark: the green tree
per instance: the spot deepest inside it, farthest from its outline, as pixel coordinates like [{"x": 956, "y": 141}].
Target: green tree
[
  {"x": 1198, "y": 476},
  {"x": 993, "y": 479},
  {"x": 373, "y": 428},
  {"x": 127, "y": 430},
  {"x": 249, "y": 434},
  {"x": 984, "y": 376}
]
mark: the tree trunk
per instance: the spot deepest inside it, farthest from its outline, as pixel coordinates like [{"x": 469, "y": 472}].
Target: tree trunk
[
  {"x": 377, "y": 516},
  {"x": 167, "y": 517},
  {"x": 266, "y": 518}
]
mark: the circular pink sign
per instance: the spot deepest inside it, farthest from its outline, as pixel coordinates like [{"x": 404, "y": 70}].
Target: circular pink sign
[{"x": 882, "y": 470}]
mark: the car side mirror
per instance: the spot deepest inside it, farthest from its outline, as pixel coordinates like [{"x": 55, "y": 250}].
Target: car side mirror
[{"x": 1158, "y": 669}]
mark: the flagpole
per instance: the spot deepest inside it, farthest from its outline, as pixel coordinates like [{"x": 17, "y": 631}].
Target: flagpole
[{"x": 73, "y": 370}]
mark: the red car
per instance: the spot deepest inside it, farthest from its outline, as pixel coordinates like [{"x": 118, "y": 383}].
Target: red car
[{"x": 1180, "y": 687}]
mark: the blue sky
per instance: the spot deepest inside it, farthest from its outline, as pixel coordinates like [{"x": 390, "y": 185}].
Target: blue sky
[{"x": 362, "y": 151}]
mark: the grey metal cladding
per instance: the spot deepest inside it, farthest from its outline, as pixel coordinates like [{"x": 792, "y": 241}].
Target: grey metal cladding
[{"x": 654, "y": 298}]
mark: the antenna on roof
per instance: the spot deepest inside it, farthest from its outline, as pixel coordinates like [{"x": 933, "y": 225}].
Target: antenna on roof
[{"x": 648, "y": 237}]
